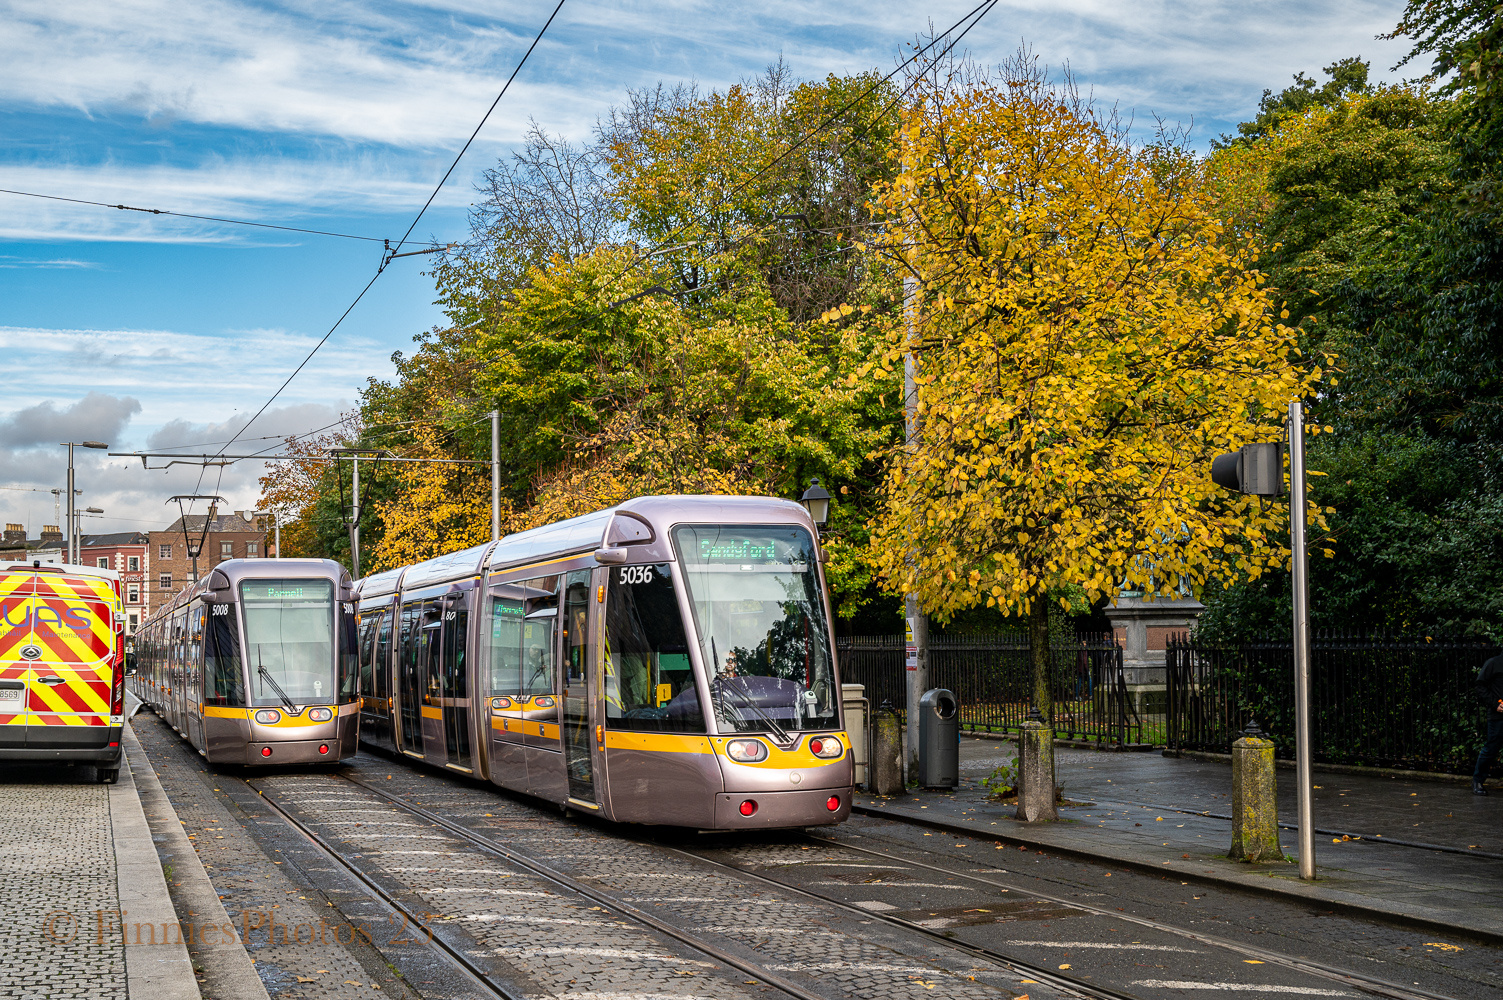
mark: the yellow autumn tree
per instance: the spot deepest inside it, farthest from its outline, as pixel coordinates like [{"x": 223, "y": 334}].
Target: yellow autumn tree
[
  {"x": 1087, "y": 337},
  {"x": 436, "y": 507}
]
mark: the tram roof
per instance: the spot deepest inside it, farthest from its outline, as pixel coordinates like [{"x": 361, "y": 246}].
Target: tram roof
[{"x": 579, "y": 534}]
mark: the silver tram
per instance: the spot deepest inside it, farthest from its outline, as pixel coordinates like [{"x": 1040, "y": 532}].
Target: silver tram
[
  {"x": 256, "y": 663},
  {"x": 666, "y": 661}
]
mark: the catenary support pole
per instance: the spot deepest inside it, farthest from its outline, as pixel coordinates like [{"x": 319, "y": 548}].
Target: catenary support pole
[
  {"x": 1301, "y": 571},
  {"x": 495, "y": 475},
  {"x": 355, "y": 518},
  {"x": 72, "y": 557},
  {"x": 916, "y": 659}
]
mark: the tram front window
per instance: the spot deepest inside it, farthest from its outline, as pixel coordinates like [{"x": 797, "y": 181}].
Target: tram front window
[
  {"x": 762, "y": 630},
  {"x": 289, "y": 640}
]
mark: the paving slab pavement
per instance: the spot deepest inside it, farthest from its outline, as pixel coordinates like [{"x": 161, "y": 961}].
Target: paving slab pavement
[{"x": 1172, "y": 815}]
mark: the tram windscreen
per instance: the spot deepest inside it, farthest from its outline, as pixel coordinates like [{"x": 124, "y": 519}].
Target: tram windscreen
[
  {"x": 762, "y": 631},
  {"x": 289, "y": 641}
]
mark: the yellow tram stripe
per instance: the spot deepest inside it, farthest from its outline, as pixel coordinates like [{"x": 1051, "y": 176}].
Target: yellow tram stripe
[{"x": 616, "y": 739}]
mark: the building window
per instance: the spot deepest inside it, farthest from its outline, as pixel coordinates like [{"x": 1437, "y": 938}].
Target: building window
[
  {"x": 132, "y": 593},
  {"x": 226, "y": 549},
  {"x": 252, "y": 549},
  {"x": 132, "y": 619},
  {"x": 133, "y": 564},
  {"x": 165, "y": 581},
  {"x": 103, "y": 562},
  {"x": 164, "y": 551}
]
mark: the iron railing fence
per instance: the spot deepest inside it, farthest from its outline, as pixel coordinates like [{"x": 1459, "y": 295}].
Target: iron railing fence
[
  {"x": 1377, "y": 700},
  {"x": 991, "y": 678}
]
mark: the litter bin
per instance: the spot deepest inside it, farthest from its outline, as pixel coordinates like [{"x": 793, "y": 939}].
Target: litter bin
[
  {"x": 853, "y": 701},
  {"x": 939, "y": 739}
]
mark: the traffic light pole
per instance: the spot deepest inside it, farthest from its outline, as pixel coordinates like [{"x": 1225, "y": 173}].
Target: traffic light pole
[{"x": 1300, "y": 559}]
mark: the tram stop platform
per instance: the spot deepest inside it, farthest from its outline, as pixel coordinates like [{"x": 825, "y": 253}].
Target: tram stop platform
[
  {"x": 84, "y": 904},
  {"x": 1402, "y": 847}
]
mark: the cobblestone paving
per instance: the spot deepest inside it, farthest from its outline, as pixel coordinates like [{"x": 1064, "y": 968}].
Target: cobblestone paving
[
  {"x": 301, "y": 945},
  {"x": 829, "y": 951},
  {"x": 567, "y": 946},
  {"x": 58, "y": 890}
]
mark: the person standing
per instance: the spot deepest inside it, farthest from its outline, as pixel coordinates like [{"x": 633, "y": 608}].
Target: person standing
[{"x": 1490, "y": 690}]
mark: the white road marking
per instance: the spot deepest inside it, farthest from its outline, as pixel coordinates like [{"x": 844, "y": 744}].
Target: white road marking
[
  {"x": 1174, "y": 984},
  {"x": 626, "y": 953},
  {"x": 488, "y": 892},
  {"x": 896, "y": 885},
  {"x": 1111, "y": 945},
  {"x": 705, "y": 899},
  {"x": 872, "y": 904},
  {"x": 860, "y": 966}
]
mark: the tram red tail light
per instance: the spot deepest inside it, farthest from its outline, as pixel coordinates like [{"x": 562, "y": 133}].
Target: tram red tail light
[
  {"x": 746, "y": 751},
  {"x": 320, "y": 714},
  {"x": 266, "y": 751},
  {"x": 832, "y": 803},
  {"x": 268, "y": 716},
  {"x": 749, "y": 807},
  {"x": 323, "y": 748},
  {"x": 827, "y": 747}
]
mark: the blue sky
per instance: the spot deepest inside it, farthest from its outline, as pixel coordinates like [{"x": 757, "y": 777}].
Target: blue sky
[{"x": 152, "y": 331}]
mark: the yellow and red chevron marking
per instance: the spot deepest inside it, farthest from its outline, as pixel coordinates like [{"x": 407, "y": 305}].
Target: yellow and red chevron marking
[
  {"x": 66, "y": 720},
  {"x": 75, "y": 694}
]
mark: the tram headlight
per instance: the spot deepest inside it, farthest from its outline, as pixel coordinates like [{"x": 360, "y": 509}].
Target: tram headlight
[
  {"x": 746, "y": 751},
  {"x": 320, "y": 714},
  {"x": 268, "y": 717},
  {"x": 827, "y": 747}
]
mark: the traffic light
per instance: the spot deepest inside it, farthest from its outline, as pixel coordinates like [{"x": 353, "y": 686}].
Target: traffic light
[{"x": 1256, "y": 468}]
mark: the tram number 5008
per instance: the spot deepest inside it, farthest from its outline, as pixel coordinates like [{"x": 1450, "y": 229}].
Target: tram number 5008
[{"x": 635, "y": 574}]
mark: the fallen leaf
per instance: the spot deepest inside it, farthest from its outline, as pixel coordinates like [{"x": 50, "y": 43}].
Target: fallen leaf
[
  {"x": 1443, "y": 946},
  {"x": 1065, "y": 966},
  {"x": 307, "y": 979},
  {"x": 1252, "y": 961}
]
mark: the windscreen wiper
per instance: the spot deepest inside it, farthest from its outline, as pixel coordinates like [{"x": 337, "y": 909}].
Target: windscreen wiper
[{"x": 261, "y": 669}]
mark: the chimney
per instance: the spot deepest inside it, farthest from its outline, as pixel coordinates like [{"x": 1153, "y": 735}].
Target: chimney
[
  {"x": 51, "y": 533},
  {"x": 15, "y": 534}
]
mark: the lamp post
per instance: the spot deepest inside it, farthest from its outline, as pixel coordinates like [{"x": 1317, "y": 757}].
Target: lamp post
[
  {"x": 72, "y": 530},
  {"x": 816, "y": 500}
]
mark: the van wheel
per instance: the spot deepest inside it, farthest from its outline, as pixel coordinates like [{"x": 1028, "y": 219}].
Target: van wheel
[{"x": 107, "y": 776}]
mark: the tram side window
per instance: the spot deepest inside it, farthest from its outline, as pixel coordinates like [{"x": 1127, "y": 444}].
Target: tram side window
[
  {"x": 223, "y": 684},
  {"x": 382, "y": 666},
  {"x": 538, "y": 630},
  {"x": 367, "y": 647},
  {"x": 649, "y": 683},
  {"x": 349, "y": 652},
  {"x": 507, "y": 609}
]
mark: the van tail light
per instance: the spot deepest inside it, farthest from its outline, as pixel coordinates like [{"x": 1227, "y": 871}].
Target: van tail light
[
  {"x": 117, "y": 692},
  {"x": 833, "y": 803},
  {"x": 749, "y": 807}
]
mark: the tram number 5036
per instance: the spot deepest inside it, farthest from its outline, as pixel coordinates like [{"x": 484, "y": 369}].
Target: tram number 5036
[{"x": 635, "y": 574}]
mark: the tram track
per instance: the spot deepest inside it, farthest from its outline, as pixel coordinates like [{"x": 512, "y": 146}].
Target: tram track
[
  {"x": 482, "y": 980},
  {"x": 1369, "y": 984},
  {"x": 1071, "y": 986}
]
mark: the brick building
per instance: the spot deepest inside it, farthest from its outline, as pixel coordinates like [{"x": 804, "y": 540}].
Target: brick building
[
  {"x": 125, "y": 552},
  {"x": 51, "y": 547},
  {"x": 241, "y": 535}
]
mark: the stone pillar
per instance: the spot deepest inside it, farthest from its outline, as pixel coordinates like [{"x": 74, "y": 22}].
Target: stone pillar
[
  {"x": 1036, "y": 773},
  {"x": 886, "y": 775},
  {"x": 1255, "y": 820},
  {"x": 1143, "y": 626}
]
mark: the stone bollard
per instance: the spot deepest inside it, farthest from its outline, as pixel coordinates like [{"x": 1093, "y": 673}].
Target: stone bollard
[
  {"x": 1255, "y": 820},
  {"x": 1036, "y": 772},
  {"x": 885, "y": 776}
]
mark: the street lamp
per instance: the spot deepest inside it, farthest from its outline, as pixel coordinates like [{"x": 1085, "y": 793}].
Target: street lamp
[
  {"x": 816, "y": 501},
  {"x": 72, "y": 532}
]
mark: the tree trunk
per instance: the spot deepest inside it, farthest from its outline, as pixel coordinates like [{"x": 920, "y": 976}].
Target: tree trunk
[{"x": 1038, "y": 648}]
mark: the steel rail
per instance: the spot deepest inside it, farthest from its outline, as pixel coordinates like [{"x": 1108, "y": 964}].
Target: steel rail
[
  {"x": 612, "y": 903},
  {"x": 482, "y": 979},
  {"x": 1372, "y": 984}
]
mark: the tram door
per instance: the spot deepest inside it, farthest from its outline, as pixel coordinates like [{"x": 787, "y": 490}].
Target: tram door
[
  {"x": 409, "y": 683},
  {"x": 193, "y": 688},
  {"x": 375, "y": 678},
  {"x": 455, "y": 690},
  {"x": 579, "y": 688}
]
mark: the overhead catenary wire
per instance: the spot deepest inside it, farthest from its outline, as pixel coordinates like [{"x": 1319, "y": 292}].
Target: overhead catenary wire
[
  {"x": 386, "y": 259},
  {"x": 189, "y": 215}
]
